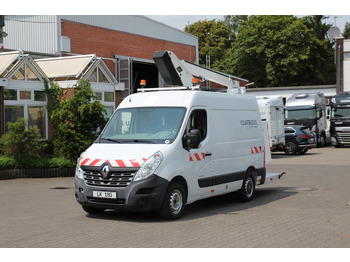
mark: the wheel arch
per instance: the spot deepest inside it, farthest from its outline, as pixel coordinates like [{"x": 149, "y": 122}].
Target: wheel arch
[
  {"x": 182, "y": 181},
  {"x": 251, "y": 170}
]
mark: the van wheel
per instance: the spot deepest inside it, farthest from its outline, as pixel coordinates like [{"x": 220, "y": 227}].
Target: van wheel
[
  {"x": 92, "y": 210},
  {"x": 291, "y": 148},
  {"x": 247, "y": 192},
  {"x": 173, "y": 204}
]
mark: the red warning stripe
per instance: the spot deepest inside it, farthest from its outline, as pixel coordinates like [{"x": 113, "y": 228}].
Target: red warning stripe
[
  {"x": 256, "y": 150},
  {"x": 120, "y": 163},
  {"x": 197, "y": 156},
  {"x": 94, "y": 162}
]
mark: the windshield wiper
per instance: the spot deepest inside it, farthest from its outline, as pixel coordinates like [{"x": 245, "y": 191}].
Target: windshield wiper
[
  {"x": 111, "y": 139},
  {"x": 138, "y": 141}
]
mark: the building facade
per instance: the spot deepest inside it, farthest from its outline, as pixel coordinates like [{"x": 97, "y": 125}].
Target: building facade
[{"x": 125, "y": 42}]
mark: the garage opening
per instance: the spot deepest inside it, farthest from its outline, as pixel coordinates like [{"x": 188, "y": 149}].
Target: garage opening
[{"x": 145, "y": 71}]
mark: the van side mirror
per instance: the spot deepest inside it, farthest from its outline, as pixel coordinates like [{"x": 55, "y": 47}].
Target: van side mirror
[
  {"x": 192, "y": 139},
  {"x": 97, "y": 132}
]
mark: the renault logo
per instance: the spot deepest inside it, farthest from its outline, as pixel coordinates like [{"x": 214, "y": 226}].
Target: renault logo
[{"x": 105, "y": 171}]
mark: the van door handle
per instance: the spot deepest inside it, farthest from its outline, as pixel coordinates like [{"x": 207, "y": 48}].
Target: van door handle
[{"x": 208, "y": 154}]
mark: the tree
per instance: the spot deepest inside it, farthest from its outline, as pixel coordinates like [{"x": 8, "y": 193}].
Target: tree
[
  {"x": 346, "y": 32},
  {"x": 18, "y": 141},
  {"x": 276, "y": 50},
  {"x": 320, "y": 67},
  {"x": 74, "y": 119},
  {"x": 233, "y": 21},
  {"x": 214, "y": 38}
]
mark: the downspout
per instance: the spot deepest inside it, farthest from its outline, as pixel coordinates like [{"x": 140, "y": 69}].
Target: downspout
[{"x": 339, "y": 64}]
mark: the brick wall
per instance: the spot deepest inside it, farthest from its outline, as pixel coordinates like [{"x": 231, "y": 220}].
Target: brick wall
[{"x": 87, "y": 39}]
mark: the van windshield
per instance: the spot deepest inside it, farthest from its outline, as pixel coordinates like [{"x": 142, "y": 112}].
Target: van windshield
[
  {"x": 300, "y": 114},
  {"x": 156, "y": 125}
]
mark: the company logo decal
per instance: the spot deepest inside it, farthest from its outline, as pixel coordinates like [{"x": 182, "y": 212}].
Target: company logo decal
[
  {"x": 250, "y": 123},
  {"x": 105, "y": 171}
]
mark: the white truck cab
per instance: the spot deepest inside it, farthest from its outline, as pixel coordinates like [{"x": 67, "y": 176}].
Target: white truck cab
[{"x": 162, "y": 150}]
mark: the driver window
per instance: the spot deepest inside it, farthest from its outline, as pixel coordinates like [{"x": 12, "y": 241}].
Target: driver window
[{"x": 198, "y": 120}]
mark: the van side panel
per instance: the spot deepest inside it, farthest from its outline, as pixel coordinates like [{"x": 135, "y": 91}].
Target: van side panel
[{"x": 235, "y": 144}]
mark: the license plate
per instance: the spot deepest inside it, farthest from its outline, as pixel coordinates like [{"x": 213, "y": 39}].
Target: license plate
[{"x": 104, "y": 194}]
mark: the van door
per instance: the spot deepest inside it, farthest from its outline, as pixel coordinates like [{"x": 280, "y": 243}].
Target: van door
[{"x": 198, "y": 159}]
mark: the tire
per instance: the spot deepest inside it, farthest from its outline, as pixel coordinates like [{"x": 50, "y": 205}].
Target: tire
[
  {"x": 302, "y": 151},
  {"x": 322, "y": 141},
  {"x": 173, "y": 204},
  {"x": 291, "y": 148},
  {"x": 247, "y": 192},
  {"x": 92, "y": 210}
]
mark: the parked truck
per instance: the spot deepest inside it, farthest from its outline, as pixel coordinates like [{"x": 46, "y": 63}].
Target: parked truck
[
  {"x": 340, "y": 119},
  {"x": 165, "y": 148},
  {"x": 272, "y": 110},
  {"x": 308, "y": 110}
]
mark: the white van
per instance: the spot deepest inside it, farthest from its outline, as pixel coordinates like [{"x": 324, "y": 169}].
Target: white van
[
  {"x": 163, "y": 150},
  {"x": 272, "y": 110}
]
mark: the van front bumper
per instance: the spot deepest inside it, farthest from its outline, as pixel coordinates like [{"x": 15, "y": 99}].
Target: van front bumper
[{"x": 144, "y": 195}]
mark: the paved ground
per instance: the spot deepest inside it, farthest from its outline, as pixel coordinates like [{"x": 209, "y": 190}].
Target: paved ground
[{"x": 309, "y": 207}]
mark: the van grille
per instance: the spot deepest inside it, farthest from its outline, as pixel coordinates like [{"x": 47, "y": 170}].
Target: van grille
[{"x": 115, "y": 179}]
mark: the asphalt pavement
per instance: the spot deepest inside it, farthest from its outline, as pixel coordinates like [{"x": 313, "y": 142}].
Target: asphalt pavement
[{"x": 308, "y": 208}]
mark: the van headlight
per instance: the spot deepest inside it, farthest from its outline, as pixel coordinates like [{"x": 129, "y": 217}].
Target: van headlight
[
  {"x": 149, "y": 166},
  {"x": 78, "y": 171}
]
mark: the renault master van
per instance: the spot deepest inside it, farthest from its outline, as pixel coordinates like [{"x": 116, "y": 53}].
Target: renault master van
[{"x": 163, "y": 150}]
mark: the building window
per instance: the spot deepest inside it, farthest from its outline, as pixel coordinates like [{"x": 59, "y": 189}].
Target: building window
[
  {"x": 31, "y": 106},
  {"x": 346, "y": 55},
  {"x": 10, "y": 94},
  {"x": 12, "y": 113},
  {"x": 109, "y": 97},
  {"x": 25, "y": 95},
  {"x": 36, "y": 119},
  {"x": 40, "y": 96}
]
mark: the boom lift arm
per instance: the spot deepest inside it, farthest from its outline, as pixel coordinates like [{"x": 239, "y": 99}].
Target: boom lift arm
[{"x": 181, "y": 73}]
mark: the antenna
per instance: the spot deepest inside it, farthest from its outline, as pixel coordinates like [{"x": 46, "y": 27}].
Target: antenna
[{"x": 333, "y": 32}]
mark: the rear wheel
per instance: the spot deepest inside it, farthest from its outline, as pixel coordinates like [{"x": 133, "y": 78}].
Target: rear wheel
[
  {"x": 247, "y": 192},
  {"x": 173, "y": 204},
  {"x": 291, "y": 148},
  {"x": 302, "y": 151}
]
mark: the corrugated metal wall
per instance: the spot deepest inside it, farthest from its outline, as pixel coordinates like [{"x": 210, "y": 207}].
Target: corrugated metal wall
[
  {"x": 41, "y": 33},
  {"x": 32, "y": 33}
]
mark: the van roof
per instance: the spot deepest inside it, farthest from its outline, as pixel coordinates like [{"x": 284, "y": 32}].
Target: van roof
[{"x": 189, "y": 99}]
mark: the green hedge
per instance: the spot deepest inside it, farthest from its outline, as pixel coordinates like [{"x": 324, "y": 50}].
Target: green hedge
[{"x": 11, "y": 162}]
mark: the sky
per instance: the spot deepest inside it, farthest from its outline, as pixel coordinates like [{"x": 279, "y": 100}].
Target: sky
[
  {"x": 180, "y": 21},
  {"x": 179, "y": 13}
]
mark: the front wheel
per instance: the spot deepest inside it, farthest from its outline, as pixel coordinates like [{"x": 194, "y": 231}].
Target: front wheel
[{"x": 173, "y": 204}]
